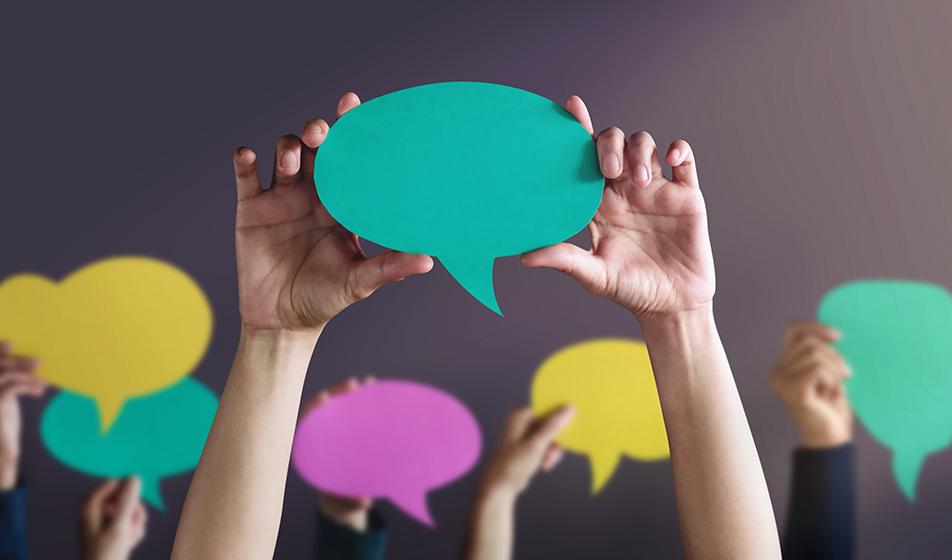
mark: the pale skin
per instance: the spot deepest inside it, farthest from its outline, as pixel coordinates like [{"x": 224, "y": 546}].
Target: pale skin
[
  {"x": 16, "y": 381},
  {"x": 809, "y": 378},
  {"x": 527, "y": 447},
  {"x": 651, "y": 254},
  {"x": 297, "y": 269},
  {"x": 113, "y": 520}
]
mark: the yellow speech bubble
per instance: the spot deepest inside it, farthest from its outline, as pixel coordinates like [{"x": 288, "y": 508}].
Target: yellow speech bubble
[
  {"x": 610, "y": 383},
  {"x": 114, "y": 329}
]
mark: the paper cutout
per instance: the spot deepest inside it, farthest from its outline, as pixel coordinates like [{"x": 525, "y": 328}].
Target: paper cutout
[
  {"x": 154, "y": 437},
  {"x": 897, "y": 339},
  {"x": 388, "y": 439},
  {"x": 463, "y": 171},
  {"x": 117, "y": 328},
  {"x": 610, "y": 383}
]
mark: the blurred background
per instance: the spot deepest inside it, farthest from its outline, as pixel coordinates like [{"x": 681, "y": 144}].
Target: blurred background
[{"x": 822, "y": 131}]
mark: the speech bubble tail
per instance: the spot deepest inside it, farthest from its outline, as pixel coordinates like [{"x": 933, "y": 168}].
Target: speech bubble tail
[
  {"x": 475, "y": 275},
  {"x": 603, "y": 467},
  {"x": 109, "y": 409},
  {"x": 414, "y": 505},
  {"x": 152, "y": 494},
  {"x": 906, "y": 469}
]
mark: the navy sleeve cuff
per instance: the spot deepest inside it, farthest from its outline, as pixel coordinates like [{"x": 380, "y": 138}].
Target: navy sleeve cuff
[
  {"x": 821, "y": 516},
  {"x": 340, "y": 542},
  {"x": 13, "y": 523}
]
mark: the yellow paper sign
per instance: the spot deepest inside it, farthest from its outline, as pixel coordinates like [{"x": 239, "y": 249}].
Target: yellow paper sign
[
  {"x": 617, "y": 411},
  {"x": 115, "y": 329}
]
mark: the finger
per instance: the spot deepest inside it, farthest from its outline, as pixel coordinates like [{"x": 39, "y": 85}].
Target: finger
[
  {"x": 681, "y": 159},
  {"x": 246, "y": 173},
  {"x": 518, "y": 424},
  {"x": 815, "y": 366},
  {"x": 316, "y": 401},
  {"x": 569, "y": 259},
  {"x": 128, "y": 497},
  {"x": 552, "y": 457},
  {"x": 17, "y": 390},
  {"x": 344, "y": 386},
  {"x": 347, "y": 102},
  {"x": 641, "y": 154},
  {"x": 16, "y": 380},
  {"x": 806, "y": 347},
  {"x": 287, "y": 160},
  {"x": 92, "y": 507},
  {"x": 313, "y": 135},
  {"x": 611, "y": 148},
  {"x": 391, "y": 266},
  {"x": 798, "y": 329},
  {"x": 549, "y": 427},
  {"x": 576, "y": 107},
  {"x": 5, "y": 349},
  {"x": 19, "y": 364}
]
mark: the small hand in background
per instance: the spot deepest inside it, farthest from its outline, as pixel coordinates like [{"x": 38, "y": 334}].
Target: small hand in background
[
  {"x": 809, "y": 379},
  {"x": 113, "y": 520},
  {"x": 16, "y": 380},
  {"x": 527, "y": 446},
  {"x": 344, "y": 510}
]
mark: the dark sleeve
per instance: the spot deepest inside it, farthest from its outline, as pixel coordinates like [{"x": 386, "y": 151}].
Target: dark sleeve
[
  {"x": 13, "y": 523},
  {"x": 821, "y": 521},
  {"x": 339, "y": 542}
]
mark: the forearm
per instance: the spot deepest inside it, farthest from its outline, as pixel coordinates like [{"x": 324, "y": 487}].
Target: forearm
[
  {"x": 489, "y": 535},
  {"x": 723, "y": 504},
  {"x": 233, "y": 507}
]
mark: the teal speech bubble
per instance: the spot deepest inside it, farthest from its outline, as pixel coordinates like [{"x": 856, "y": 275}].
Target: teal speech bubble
[
  {"x": 463, "y": 171},
  {"x": 897, "y": 338},
  {"x": 154, "y": 436}
]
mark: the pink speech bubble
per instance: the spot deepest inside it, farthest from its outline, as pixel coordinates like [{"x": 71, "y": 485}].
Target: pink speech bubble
[{"x": 389, "y": 439}]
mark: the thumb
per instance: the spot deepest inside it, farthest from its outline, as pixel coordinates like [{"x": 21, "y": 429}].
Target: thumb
[
  {"x": 391, "y": 266},
  {"x": 128, "y": 499},
  {"x": 569, "y": 259}
]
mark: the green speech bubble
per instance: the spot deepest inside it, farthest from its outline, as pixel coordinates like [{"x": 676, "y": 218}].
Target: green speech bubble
[
  {"x": 154, "y": 436},
  {"x": 896, "y": 338},
  {"x": 463, "y": 171}
]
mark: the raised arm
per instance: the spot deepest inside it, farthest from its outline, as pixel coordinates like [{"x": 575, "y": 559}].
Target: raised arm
[
  {"x": 297, "y": 268},
  {"x": 652, "y": 255}
]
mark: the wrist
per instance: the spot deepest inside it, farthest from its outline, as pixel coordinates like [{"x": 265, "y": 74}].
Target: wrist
[
  {"x": 825, "y": 439},
  {"x": 273, "y": 360},
  {"x": 9, "y": 470}
]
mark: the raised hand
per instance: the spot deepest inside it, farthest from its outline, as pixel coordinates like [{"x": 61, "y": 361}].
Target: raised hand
[
  {"x": 113, "y": 520},
  {"x": 297, "y": 267},
  {"x": 809, "y": 379},
  {"x": 650, "y": 247},
  {"x": 16, "y": 380}
]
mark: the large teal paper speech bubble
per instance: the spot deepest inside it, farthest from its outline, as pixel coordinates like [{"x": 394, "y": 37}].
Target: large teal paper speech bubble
[
  {"x": 897, "y": 339},
  {"x": 463, "y": 171},
  {"x": 154, "y": 436}
]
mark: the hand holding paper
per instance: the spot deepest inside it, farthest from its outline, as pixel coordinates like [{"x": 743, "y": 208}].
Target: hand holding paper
[
  {"x": 650, "y": 247},
  {"x": 297, "y": 267}
]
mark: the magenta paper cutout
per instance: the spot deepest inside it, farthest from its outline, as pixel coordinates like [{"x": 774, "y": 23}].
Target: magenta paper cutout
[{"x": 388, "y": 439}]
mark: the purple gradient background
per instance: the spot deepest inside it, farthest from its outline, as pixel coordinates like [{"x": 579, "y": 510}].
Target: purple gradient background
[{"x": 822, "y": 132}]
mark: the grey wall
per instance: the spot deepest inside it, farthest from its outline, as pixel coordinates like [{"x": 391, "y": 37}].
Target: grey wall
[{"x": 823, "y": 137}]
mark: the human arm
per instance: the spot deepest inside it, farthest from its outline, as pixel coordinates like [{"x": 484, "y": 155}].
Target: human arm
[
  {"x": 809, "y": 378},
  {"x": 651, "y": 254},
  {"x": 527, "y": 446},
  {"x": 297, "y": 268}
]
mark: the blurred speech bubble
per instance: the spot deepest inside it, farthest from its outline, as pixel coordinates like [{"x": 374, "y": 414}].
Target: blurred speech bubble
[
  {"x": 154, "y": 437},
  {"x": 463, "y": 171},
  {"x": 117, "y": 328},
  {"x": 610, "y": 383},
  {"x": 388, "y": 439},
  {"x": 897, "y": 339}
]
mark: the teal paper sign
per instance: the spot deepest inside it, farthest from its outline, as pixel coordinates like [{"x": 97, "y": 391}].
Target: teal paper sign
[
  {"x": 154, "y": 436},
  {"x": 897, "y": 339},
  {"x": 463, "y": 171}
]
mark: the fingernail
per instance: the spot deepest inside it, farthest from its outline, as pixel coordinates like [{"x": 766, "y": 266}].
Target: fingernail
[
  {"x": 676, "y": 155},
  {"x": 642, "y": 172},
  {"x": 611, "y": 163},
  {"x": 289, "y": 160}
]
